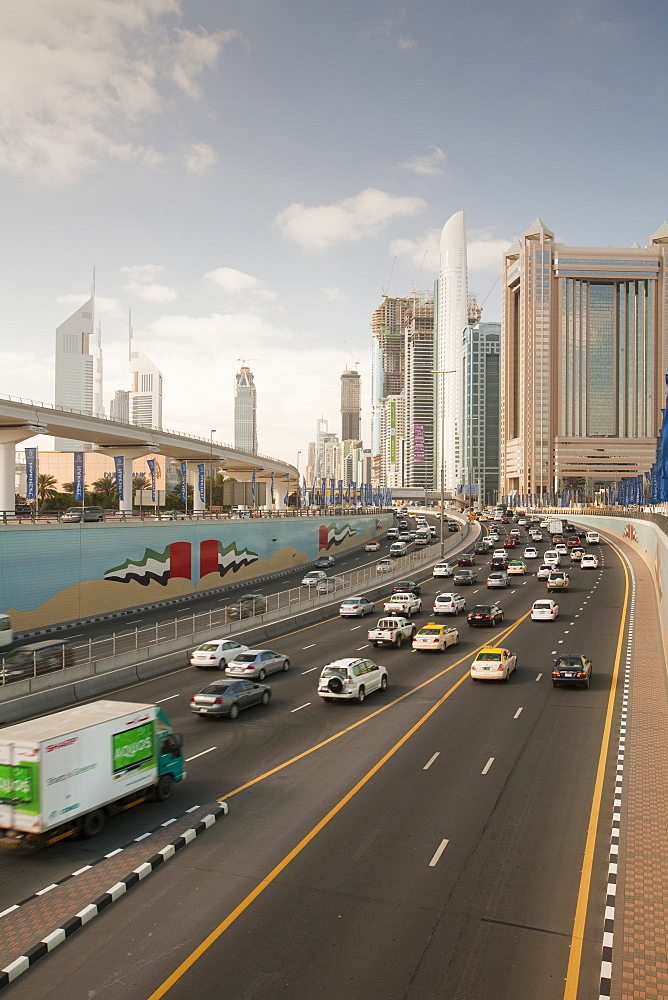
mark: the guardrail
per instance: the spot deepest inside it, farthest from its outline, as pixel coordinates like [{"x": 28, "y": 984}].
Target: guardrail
[
  {"x": 31, "y": 672},
  {"x": 168, "y": 517}
]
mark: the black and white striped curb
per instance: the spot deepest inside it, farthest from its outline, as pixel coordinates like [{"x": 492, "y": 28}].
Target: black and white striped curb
[
  {"x": 605, "y": 987},
  {"x": 60, "y": 934},
  {"x": 97, "y": 861}
]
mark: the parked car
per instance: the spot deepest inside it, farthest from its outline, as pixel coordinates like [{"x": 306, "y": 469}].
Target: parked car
[
  {"x": 466, "y": 577},
  {"x": 484, "y": 614},
  {"x": 372, "y": 546},
  {"x": 229, "y": 697},
  {"x": 443, "y": 569},
  {"x": 215, "y": 654},
  {"x": 324, "y": 562},
  {"x": 544, "y": 610},
  {"x": 572, "y": 668},
  {"x": 589, "y": 561},
  {"x": 449, "y": 604},
  {"x": 257, "y": 663},
  {"x": 493, "y": 664},
  {"x": 351, "y": 679},
  {"x": 497, "y": 578},
  {"x": 356, "y": 607},
  {"x": 435, "y": 637},
  {"x": 247, "y": 606}
]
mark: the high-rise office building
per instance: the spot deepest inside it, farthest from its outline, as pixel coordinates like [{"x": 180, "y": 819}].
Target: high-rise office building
[
  {"x": 145, "y": 400},
  {"x": 119, "y": 407},
  {"x": 419, "y": 392},
  {"x": 245, "y": 412},
  {"x": 393, "y": 441},
  {"x": 584, "y": 352},
  {"x": 351, "y": 412},
  {"x": 387, "y": 363},
  {"x": 451, "y": 319},
  {"x": 480, "y": 441},
  {"x": 75, "y": 368}
]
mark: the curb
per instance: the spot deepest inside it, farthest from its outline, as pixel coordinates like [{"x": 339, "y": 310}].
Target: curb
[{"x": 47, "y": 944}]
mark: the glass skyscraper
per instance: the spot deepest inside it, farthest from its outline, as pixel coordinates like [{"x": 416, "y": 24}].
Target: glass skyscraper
[{"x": 245, "y": 412}]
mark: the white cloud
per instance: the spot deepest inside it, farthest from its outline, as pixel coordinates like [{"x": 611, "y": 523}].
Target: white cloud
[
  {"x": 142, "y": 281},
  {"x": 237, "y": 283},
  {"x": 104, "y": 306},
  {"x": 346, "y": 221},
  {"x": 200, "y": 158},
  {"x": 485, "y": 252},
  {"x": 429, "y": 163},
  {"x": 391, "y": 30},
  {"x": 79, "y": 76},
  {"x": 334, "y": 294}
]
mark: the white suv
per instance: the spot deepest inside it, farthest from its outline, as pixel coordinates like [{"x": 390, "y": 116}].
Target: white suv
[
  {"x": 350, "y": 679},
  {"x": 449, "y": 604}
]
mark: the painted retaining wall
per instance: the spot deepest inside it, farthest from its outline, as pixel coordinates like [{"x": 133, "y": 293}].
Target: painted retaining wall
[{"x": 51, "y": 574}]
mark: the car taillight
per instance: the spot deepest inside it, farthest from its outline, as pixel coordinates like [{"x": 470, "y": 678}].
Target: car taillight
[
  {"x": 192, "y": 698},
  {"x": 251, "y": 667},
  {"x": 218, "y": 701},
  {"x": 500, "y": 667},
  {"x": 555, "y": 673},
  {"x": 212, "y": 657},
  {"x": 581, "y": 673}
]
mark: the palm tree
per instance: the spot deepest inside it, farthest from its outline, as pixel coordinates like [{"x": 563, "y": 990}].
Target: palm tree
[
  {"x": 46, "y": 487},
  {"x": 106, "y": 490},
  {"x": 140, "y": 482}
]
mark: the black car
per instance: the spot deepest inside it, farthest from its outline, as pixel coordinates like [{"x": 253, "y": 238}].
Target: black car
[
  {"x": 465, "y": 576},
  {"x": 453, "y": 526},
  {"x": 23, "y": 510},
  {"x": 407, "y": 587},
  {"x": 484, "y": 614},
  {"x": 480, "y": 548},
  {"x": 498, "y": 562},
  {"x": 466, "y": 559},
  {"x": 247, "y": 606},
  {"x": 571, "y": 668}
]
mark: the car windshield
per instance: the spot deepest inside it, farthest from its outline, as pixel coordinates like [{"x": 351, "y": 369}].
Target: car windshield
[{"x": 335, "y": 672}]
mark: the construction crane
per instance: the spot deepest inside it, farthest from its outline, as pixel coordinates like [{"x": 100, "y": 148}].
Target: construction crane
[
  {"x": 356, "y": 363},
  {"x": 385, "y": 291}
]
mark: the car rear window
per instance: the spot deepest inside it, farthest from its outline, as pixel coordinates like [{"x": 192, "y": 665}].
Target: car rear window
[
  {"x": 208, "y": 647},
  {"x": 335, "y": 672},
  {"x": 245, "y": 657},
  {"x": 491, "y": 657}
]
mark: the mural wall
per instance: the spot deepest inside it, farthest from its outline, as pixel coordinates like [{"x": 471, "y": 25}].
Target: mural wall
[{"x": 57, "y": 574}]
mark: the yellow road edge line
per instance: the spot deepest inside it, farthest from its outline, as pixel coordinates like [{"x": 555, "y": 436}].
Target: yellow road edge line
[
  {"x": 577, "y": 935},
  {"x": 320, "y": 825}
]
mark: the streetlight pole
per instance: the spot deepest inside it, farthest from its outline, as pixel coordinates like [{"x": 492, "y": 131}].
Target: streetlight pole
[
  {"x": 439, "y": 371},
  {"x": 211, "y": 469},
  {"x": 299, "y": 488}
]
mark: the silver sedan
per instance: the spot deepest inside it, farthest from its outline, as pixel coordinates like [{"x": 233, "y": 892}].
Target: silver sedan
[{"x": 255, "y": 664}]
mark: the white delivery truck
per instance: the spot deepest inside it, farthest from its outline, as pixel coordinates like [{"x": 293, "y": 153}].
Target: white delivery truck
[
  {"x": 555, "y": 526},
  {"x": 423, "y": 536},
  {"x": 63, "y": 774}
]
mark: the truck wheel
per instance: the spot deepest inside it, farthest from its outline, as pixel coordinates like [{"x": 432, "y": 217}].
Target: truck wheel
[
  {"x": 398, "y": 641},
  {"x": 92, "y": 824},
  {"x": 165, "y": 787}
]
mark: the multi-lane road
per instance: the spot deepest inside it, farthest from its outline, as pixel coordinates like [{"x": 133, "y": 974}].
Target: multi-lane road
[{"x": 441, "y": 840}]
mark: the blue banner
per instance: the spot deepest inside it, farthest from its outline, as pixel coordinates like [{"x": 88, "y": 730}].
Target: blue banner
[
  {"x": 200, "y": 482},
  {"x": 31, "y": 473},
  {"x": 151, "y": 468},
  {"x": 184, "y": 482},
  {"x": 79, "y": 475},
  {"x": 119, "y": 465},
  {"x": 286, "y": 498},
  {"x": 253, "y": 486}
]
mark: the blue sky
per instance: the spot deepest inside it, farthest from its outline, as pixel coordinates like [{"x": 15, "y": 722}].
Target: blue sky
[{"x": 243, "y": 175}]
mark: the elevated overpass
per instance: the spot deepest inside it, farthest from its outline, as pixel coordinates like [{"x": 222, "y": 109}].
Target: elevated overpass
[{"x": 21, "y": 419}]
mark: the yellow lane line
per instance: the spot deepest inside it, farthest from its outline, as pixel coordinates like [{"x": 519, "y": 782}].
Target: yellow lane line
[{"x": 577, "y": 936}]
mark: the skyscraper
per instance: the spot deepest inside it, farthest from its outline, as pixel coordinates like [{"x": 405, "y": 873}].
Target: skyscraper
[
  {"x": 480, "y": 443},
  {"x": 245, "y": 412},
  {"x": 419, "y": 392},
  {"x": 351, "y": 413},
  {"x": 584, "y": 356},
  {"x": 75, "y": 369},
  {"x": 451, "y": 319},
  {"x": 145, "y": 400},
  {"x": 387, "y": 363}
]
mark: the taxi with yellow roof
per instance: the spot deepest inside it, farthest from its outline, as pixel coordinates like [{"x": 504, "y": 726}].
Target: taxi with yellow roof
[{"x": 435, "y": 637}]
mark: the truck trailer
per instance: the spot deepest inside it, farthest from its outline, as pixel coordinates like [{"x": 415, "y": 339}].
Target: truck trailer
[{"x": 62, "y": 775}]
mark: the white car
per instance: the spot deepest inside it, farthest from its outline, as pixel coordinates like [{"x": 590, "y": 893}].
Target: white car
[
  {"x": 406, "y": 604},
  {"x": 351, "y": 679},
  {"x": 313, "y": 578},
  {"x": 216, "y": 654},
  {"x": 449, "y": 604},
  {"x": 356, "y": 607},
  {"x": 372, "y": 546},
  {"x": 544, "y": 571},
  {"x": 561, "y": 548},
  {"x": 536, "y": 536},
  {"x": 494, "y": 536},
  {"x": 384, "y": 566},
  {"x": 544, "y": 610},
  {"x": 551, "y": 557},
  {"x": 443, "y": 569},
  {"x": 592, "y": 538},
  {"x": 589, "y": 561},
  {"x": 530, "y": 552},
  {"x": 493, "y": 664},
  {"x": 499, "y": 554},
  {"x": 516, "y": 568}
]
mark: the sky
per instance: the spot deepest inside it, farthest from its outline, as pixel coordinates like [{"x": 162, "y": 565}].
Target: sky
[{"x": 249, "y": 178}]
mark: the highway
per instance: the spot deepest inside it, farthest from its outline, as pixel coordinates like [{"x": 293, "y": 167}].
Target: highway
[{"x": 428, "y": 843}]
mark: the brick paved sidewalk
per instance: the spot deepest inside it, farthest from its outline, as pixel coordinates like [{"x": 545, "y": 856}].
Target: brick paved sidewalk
[
  {"x": 56, "y": 914},
  {"x": 640, "y": 953}
]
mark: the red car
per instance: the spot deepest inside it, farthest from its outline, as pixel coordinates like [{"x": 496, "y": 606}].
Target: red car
[
  {"x": 509, "y": 543},
  {"x": 572, "y": 540}
]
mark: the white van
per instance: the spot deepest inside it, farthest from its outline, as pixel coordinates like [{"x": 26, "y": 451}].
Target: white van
[
  {"x": 592, "y": 538},
  {"x": 398, "y": 549},
  {"x": 551, "y": 557}
]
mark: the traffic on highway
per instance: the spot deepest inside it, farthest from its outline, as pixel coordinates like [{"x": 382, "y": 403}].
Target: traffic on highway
[{"x": 398, "y": 827}]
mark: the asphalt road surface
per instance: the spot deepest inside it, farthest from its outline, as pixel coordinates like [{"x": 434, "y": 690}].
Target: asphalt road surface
[{"x": 428, "y": 843}]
